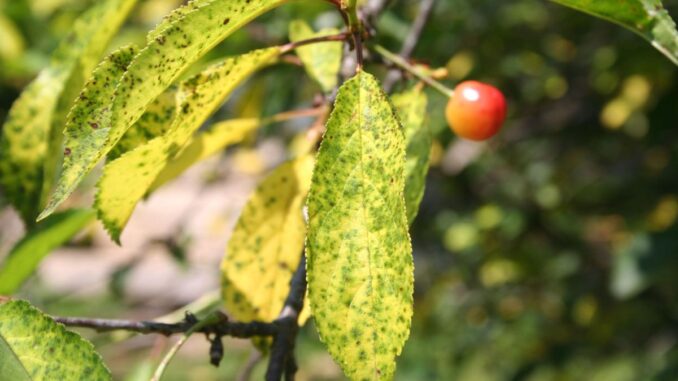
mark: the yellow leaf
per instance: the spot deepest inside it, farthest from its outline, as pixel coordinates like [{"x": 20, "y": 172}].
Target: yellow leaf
[
  {"x": 127, "y": 179},
  {"x": 204, "y": 145},
  {"x": 322, "y": 60},
  {"x": 267, "y": 244}
]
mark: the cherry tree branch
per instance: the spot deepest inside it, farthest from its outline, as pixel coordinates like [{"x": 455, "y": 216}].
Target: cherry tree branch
[
  {"x": 411, "y": 41},
  {"x": 315, "y": 40},
  {"x": 283, "y": 330},
  {"x": 223, "y": 326},
  {"x": 282, "y": 359}
]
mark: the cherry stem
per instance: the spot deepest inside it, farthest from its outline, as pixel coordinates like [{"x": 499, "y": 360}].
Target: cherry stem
[{"x": 403, "y": 64}]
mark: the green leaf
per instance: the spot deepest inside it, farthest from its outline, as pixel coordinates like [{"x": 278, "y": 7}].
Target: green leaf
[
  {"x": 35, "y": 348},
  {"x": 411, "y": 109},
  {"x": 127, "y": 179},
  {"x": 323, "y": 60},
  {"x": 38, "y": 243},
  {"x": 177, "y": 45},
  {"x": 154, "y": 122},
  {"x": 648, "y": 18},
  {"x": 25, "y": 163},
  {"x": 204, "y": 145},
  {"x": 266, "y": 245},
  {"x": 360, "y": 270}
]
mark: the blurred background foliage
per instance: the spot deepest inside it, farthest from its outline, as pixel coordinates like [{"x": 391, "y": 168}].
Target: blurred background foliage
[{"x": 549, "y": 253}]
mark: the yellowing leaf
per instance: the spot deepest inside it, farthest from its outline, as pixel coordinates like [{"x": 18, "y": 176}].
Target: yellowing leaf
[
  {"x": 154, "y": 122},
  {"x": 35, "y": 348},
  {"x": 127, "y": 179},
  {"x": 360, "y": 270},
  {"x": 26, "y": 134},
  {"x": 204, "y": 145},
  {"x": 175, "y": 15},
  {"x": 88, "y": 117},
  {"x": 267, "y": 244},
  {"x": 322, "y": 60},
  {"x": 47, "y": 236},
  {"x": 411, "y": 108},
  {"x": 178, "y": 43}
]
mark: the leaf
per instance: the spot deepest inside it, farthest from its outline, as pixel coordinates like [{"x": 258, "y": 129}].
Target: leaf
[
  {"x": 648, "y": 18},
  {"x": 127, "y": 179},
  {"x": 175, "y": 15},
  {"x": 204, "y": 145},
  {"x": 181, "y": 43},
  {"x": 47, "y": 236},
  {"x": 265, "y": 248},
  {"x": 35, "y": 348},
  {"x": 411, "y": 109},
  {"x": 28, "y": 128},
  {"x": 154, "y": 122},
  {"x": 322, "y": 61},
  {"x": 360, "y": 270},
  {"x": 88, "y": 117}
]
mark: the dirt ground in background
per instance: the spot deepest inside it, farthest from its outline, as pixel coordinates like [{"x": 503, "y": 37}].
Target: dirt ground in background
[{"x": 204, "y": 211}]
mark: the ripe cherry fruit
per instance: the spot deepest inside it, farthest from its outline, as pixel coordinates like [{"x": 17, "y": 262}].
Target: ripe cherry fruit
[{"x": 476, "y": 111}]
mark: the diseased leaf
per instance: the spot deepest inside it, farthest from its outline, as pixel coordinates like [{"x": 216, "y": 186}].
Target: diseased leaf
[
  {"x": 25, "y": 167},
  {"x": 177, "y": 44},
  {"x": 38, "y": 243},
  {"x": 266, "y": 246},
  {"x": 35, "y": 348},
  {"x": 88, "y": 117},
  {"x": 322, "y": 61},
  {"x": 411, "y": 109},
  {"x": 648, "y": 18},
  {"x": 204, "y": 145},
  {"x": 175, "y": 15},
  {"x": 154, "y": 122},
  {"x": 360, "y": 270},
  {"x": 127, "y": 179}
]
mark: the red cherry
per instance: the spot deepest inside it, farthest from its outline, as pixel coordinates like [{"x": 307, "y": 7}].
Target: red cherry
[{"x": 476, "y": 111}]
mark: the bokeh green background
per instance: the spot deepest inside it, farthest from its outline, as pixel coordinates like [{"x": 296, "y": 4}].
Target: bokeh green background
[{"x": 549, "y": 253}]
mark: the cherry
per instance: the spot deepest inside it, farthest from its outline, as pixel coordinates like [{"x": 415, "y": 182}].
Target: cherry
[{"x": 476, "y": 111}]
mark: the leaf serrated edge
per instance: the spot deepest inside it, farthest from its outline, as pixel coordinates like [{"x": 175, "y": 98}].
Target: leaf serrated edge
[{"x": 60, "y": 327}]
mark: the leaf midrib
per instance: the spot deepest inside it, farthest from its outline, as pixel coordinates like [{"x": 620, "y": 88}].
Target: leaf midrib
[
  {"x": 15, "y": 356},
  {"x": 364, "y": 212}
]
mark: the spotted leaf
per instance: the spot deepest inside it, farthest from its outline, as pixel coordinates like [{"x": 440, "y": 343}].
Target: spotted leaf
[
  {"x": 360, "y": 270},
  {"x": 127, "y": 179},
  {"x": 179, "y": 43},
  {"x": 31, "y": 123},
  {"x": 648, "y": 18},
  {"x": 322, "y": 61},
  {"x": 411, "y": 109},
  {"x": 205, "y": 145},
  {"x": 154, "y": 122},
  {"x": 35, "y": 348},
  {"x": 267, "y": 243}
]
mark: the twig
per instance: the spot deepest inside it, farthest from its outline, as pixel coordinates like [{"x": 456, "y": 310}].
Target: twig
[
  {"x": 358, "y": 41},
  {"x": 246, "y": 373},
  {"x": 294, "y": 114},
  {"x": 223, "y": 326},
  {"x": 399, "y": 61},
  {"x": 411, "y": 41},
  {"x": 315, "y": 40},
  {"x": 282, "y": 352},
  {"x": 216, "y": 317}
]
